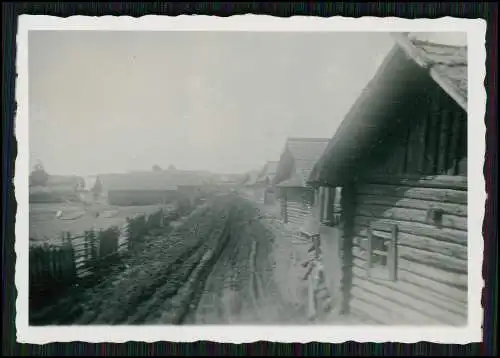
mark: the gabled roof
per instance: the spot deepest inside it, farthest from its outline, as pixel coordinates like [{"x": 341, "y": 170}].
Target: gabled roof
[
  {"x": 401, "y": 84},
  {"x": 304, "y": 152},
  {"x": 447, "y": 64}
]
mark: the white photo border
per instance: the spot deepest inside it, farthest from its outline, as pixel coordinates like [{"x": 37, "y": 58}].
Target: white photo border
[{"x": 471, "y": 333}]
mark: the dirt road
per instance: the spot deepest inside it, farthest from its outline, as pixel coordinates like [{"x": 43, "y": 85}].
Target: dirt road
[
  {"x": 218, "y": 266},
  {"x": 242, "y": 287}
]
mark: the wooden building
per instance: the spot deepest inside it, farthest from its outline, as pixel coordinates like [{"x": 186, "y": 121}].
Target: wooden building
[
  {"x": 295, "y": 195},
  {"x": 150, "y": 187},
  {"x": 262, "y": 184},
  {"x": 400, "y": 159},
  {"x": 250, "y": 183}
]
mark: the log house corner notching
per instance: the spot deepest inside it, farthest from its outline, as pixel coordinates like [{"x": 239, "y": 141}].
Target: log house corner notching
[{"x": 400, "y": 157}]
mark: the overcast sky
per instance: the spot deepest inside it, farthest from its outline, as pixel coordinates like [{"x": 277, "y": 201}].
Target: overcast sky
[{"x": 118, "y": 101}]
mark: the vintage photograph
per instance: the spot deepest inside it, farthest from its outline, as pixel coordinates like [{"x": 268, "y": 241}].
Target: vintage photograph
[{"x": 248, "y": 178}]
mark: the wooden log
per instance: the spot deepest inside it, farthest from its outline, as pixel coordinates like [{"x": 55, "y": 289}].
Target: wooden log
[
  {"x": 433, "y": 259},
  {"x": 396, "y": 313},
  {"x": 461, "y": 155},
  {"x": 454, "y": 141},
  {"x": 423, "y": 134},
  {"x": 348, "y": 203},
  {"x": 442, "y": 301},
  {"x": 401, "y": 202},
  {"x": 410, "y": 307},
  {"x": 427, "y": 194},
  {"x": 437, "y": 281},
  {"x": 433, "y": 138},
  {"x": 456, "y": 283},
  {"x": 368, "y": 311},
  {"x": 445, "y": 131},
  {"x": 456, "y": 182},
  {"x": 420, "y": 242},
  {"x": 369, "y": 252},
  {"x": 410, "y": 215},
  {"x": 393, "y": 254},
  {"x": 415, "y": 228}
]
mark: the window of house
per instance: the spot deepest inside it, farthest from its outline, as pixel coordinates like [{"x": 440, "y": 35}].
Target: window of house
[{"x": 381, "y": 250}]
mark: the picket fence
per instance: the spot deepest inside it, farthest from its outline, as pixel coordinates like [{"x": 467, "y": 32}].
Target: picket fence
[{"x": 53, "y": 268}]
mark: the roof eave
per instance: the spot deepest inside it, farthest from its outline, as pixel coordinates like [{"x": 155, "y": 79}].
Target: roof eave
[{"x": 415, "y": 54}]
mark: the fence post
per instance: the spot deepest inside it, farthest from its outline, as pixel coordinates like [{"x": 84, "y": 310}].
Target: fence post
[{"x": 71, "y": 258}]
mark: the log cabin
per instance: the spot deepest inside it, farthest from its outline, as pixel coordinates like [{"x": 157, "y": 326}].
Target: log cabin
[
  {"x": 400, "y": 160},
  {"x": 263, "y": 184},
  {"x": 296, "y": 162}
]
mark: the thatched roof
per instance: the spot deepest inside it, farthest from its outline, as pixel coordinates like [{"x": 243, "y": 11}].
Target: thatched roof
[
  {"x": 304, "y": 152},
  {"x": 401, "y": 85},
  {"x": 161, "y": 180}
]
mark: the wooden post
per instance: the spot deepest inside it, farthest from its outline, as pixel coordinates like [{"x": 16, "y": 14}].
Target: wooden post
[
  {"x": 326, "y": 202},
  {"x": 72, "y": 258},
  {"x": 285, "y": 211},
  {"x": 393, "y": 255},
  {"x": 86, "y": 250},
  {"x": 369, "y": 252},
  {"x": 93, "y": 250},
  {"x": 348, "y": 204}
]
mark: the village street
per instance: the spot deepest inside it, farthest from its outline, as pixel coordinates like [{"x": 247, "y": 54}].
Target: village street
[{"x": 229, "y": 261}]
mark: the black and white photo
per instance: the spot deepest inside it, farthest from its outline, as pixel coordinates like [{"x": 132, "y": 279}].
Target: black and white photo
[{"x": 235, "y": 180}]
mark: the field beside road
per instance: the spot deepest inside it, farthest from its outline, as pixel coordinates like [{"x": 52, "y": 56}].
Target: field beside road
[{"x": 46, "y": 227}]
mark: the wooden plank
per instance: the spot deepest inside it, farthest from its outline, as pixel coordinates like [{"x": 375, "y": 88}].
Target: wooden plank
[
  {"x": 393, "y": 254},
  {"x": 454, "y": 141},
  {"x": 457, "y": 282},
  {"x": 415, "y": 228},
  {"x": 396, "y": 312},
  {"x": 443, "y": 301},
  {"x": 415, "y": 307},
  {"x": 420, "y": 242},
  {"x": 401, "y": 202},
  {"x": 444, "y": 143},
  {"x": 461, "y": 155},
  {"x": 414, "y": 151},
  {"x": 457, "y": 182},
  {"x": 410, "y": 215},
  {"x": 433, "y": 137},
  {"x": 369, "y": 250},
  {"x": 422, "y": 143},
  {"x": 427, "y": 194}
]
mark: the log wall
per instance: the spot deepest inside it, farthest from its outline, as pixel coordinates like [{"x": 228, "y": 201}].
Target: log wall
[
  {"x": 416, "y": 185},
  {"x": 296, "y": 205}
]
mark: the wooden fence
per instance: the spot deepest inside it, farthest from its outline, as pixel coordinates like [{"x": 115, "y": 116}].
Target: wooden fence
[{"x": 54, "y": 268}]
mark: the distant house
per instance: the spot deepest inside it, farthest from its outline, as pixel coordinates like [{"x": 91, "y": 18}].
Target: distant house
[
  {"x": 150, "y": 187},
  {"x": 262, "y": 183},
  {"x": 249, "y": 183},
  {"x": 59, "y": 188},
  {"x": 400, "y": 159},
  {"x": 295, "y": 165}
]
